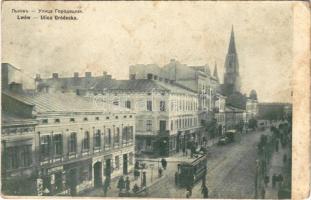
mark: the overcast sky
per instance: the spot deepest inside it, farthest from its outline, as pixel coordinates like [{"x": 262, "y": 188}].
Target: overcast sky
[{"x": 112, "y": 36}]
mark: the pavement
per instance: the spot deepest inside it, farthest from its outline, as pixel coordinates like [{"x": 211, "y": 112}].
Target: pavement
[{"x": 276, "y": 167}]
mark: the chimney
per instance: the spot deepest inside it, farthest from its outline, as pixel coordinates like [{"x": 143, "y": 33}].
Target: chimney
[
  {"x": 76, "y": 74},
  {"x": 88, "y": 74},
  {"x": 55, "y": 75},
  {"x": 38, "y": 77}
]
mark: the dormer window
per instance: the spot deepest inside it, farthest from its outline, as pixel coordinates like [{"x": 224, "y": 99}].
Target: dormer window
[
  {"x": 57, "y": 120},
  {"x": 130, "y": 116},
  {"x": 72, "y": 120}
]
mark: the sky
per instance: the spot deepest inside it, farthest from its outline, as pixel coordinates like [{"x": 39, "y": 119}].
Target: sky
[{"x": 111, "y": 36}]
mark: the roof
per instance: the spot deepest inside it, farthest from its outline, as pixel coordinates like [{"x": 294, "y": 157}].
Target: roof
[
  {"x": 141, "y": 85},
  {"x": 8, "y": 119},
  {"x": 60, "y": 102},
  {"x": 233, "y": 109}
]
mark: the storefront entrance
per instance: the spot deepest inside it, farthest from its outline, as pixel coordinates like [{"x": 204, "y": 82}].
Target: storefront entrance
[
  {"x": 97, "y": 174},
  {"x": 72, "y": 182},
  {"x": 125, "y": 162}
]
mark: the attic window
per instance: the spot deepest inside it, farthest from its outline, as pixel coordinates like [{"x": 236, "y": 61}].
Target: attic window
[
  {"x": 97, "y": 118},
  {"x": 117, "y": 117},
  {"x": 107, "y": 117},
  {"x": 57, "y": 120},
  {"x": 72, "y": 119},
  {"x": 85, "y": 119},
  {"x": 124, "y": 116},
  {"x": 130, "y": 116},
  {"x": 44, "y": 121}
]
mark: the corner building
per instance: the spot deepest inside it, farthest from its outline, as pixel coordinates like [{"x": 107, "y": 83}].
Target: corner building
[{"x": 75, "y": 144}]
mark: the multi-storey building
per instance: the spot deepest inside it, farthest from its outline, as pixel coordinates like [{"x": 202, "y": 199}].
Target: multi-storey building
[
  {"x": 166, "y": 113},
  {"x": 17, "y": 148},
  {"x": 251, "y": 109},
  {"x": 70, "y": 143}
]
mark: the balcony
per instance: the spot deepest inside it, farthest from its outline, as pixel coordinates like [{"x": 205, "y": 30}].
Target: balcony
[{"x": 163, "y": 132}]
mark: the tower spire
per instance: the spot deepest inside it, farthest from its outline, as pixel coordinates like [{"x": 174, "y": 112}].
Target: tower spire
[
  {"x": 215, "y": 74},
  {"x": 232, "y": 48}
]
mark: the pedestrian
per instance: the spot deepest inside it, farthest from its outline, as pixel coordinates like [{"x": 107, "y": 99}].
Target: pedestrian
[
  {"x": 188, "y": 194},
  {"x": 136, "y": 174},
  {"x": 164, "y": 163},
  {"x": 144, "y": 182},
  {"x": 205, "y": 191},
  {"x": 184, "y": 151},
  {"x": 284, "y": 158},
  {"x": 160, "y": 171},
  {"x": 136, "y": 165},
  {"x": 189, "y": 188},
  {"x": 176, "y": 178},
  {"x": 127, "y": 184},
  {"x": 280, "y": 179},
  {"x": 135, "y": 188},
  {"x": 277, "y": 146},
  {"x": 273, "y": 180},
  {"x": 263, "y": 193},
  {"x": 266, "y": 180},
  {"x": 121, "y": 184},
  {"x": 106, "y": 186}
]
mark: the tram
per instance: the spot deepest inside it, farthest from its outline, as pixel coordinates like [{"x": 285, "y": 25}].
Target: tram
[{"x": 188, "y": 173}]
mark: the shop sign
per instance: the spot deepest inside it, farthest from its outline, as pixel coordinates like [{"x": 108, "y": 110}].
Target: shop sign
[{"x": 55, "y": 169}]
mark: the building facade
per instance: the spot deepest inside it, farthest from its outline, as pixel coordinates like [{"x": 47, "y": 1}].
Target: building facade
[
  {"x": 166, "y": 114},
  {"x": 74, "y": 146}
]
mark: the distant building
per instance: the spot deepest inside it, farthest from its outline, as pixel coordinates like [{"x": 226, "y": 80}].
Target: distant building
[
  {"x": 232, "y": 77},
  {"x": 75, "y": 84},
  {"x": 273, "y": 111},
  {"x": 235, "y": 117}
]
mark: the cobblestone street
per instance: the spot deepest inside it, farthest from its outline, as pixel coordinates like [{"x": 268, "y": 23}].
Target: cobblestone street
[{"x": 231, "y": 172}]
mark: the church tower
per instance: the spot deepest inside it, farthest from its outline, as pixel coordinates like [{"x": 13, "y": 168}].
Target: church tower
[{"x": 231, "y": 76}]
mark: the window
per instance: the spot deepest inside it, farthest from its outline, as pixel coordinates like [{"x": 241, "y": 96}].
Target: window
[
  {"x": 172, "y": 125},
  {"x": 116, "y": 103},
  {"x": 85, "y": 119},
  {"x": 44, "y": 121},
  {"x": 107, "y": 117},
  {"x": 131, "y": 158},
  {"x": 117, "y": 117},
  {"x": 58, "y": 144},
  {"x": 149, "y": 125},
  {"x": 149, "y": 105},
  {"x": 108, "y": 138},
  {"x": 124, "y": 116},
  {"x": 86, "y": 140},
  {"x": 57, "y": 121},
  {"x": 97, "y": 139},
  {"x": 131, "y": 116},
  {"x": 128, "y": 104},
  {"x": 25, "y": 152},
  {"x": 73, "y": 142},
  {"x": 12, "y": 158},
  {"x": 45, "y": 147},
  {"x": 162, "y": 105},
  {"x": 117, "y": 162},
  {"x": 116, "y": 138},
  {"x": 72, "y": 119},
  {"x": 96, "y": 118}
]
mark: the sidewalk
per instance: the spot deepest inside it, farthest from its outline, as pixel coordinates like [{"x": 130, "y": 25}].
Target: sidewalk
[
  {"x": 276, "y": 167},
  {"x": 151, "y": 178}
]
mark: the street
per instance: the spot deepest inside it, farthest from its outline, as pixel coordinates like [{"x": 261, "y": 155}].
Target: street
[{"x": 231, "y": 172}]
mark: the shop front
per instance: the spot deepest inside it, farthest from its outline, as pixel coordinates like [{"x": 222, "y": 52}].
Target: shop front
[{"x": 65, "y": 179}]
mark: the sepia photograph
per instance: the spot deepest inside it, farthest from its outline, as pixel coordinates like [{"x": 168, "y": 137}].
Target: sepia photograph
[{"x": 147, "y": 99}]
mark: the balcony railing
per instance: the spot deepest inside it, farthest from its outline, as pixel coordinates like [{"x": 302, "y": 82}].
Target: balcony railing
[{"x": 164, "y": 132}]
